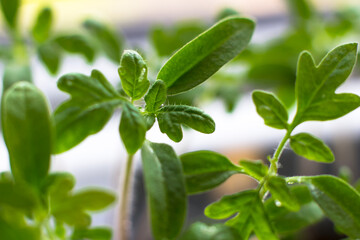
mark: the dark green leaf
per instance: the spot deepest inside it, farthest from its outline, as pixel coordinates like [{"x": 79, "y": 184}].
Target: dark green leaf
[
  {"x": 205, "y": 170},
  {"x": 27, "y": 126},
  {"x": 150, "y": 120},
  {"x": 170, "y": 119},
  {"x": 316, "y": 85},
  {"x": 108, "y": 39},
  {"x": 10, "y": 231},
  {"x": 98, "y": 233},
  {"x": 230, "y": 204},
  {"x": 50, "y": 55},
  {"x": 206, "y": 54},
  {"x": 339, "y": 201},
  {"x": 17, "y": 196},
  {"x": 42, "y": 26},
  {"x": 156, "y": 96},
  {"x": 256, "y": 169},
  {"x": 270, "y": 109},
  {"x": 92, "y": 103},
  {"x": 165, "y": 188},
  {"x": 281, "y": 193},
  {"x": 311, "y": 148},
  {"x": 133, "y": 74},
  {"x": 202, "y": 231},
  {"x": 10, "y": 10},
  {"x": 132, "y": 128},
  {"x": 77, "y": 44},
  {"x": 15, "y": 73}
]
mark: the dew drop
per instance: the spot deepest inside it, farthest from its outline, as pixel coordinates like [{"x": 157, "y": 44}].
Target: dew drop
[{"x": 277, "y": 203}]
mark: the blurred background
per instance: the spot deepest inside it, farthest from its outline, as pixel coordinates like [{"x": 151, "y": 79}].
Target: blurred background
[{"x": 157, "y": 29}]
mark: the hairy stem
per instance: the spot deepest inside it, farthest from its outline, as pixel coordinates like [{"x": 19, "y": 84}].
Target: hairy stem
[{"x": 124, "y": 208}]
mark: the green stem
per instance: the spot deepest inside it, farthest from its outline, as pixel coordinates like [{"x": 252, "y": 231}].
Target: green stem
[{"x": 124, "y": 208}]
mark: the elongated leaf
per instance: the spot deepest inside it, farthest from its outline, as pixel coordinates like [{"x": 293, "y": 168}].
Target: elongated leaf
[
  {"x": 132, "y": 128},
  {"x": 229, "y": 205},
  {"x": 98, "y": 233},
  {"x": 108, "y": 39},
  {"x": 270, "y": 109},
  {"x": 73, "y": 217},
  {"x": 156, "y": 96},
  {"x": 42, "y": 26},
  {"x": 170, "y": 119},
  {"x": 205, "y": 170},
  {"x": 27, "y": 130},
  {"x": 10, "y": 9},
  {"x": 256, "y": 169},
  {"x": 92, "y": 103},
  {"x": 50, "y": 54},
  {"x": 339, "y": 201},
  {"x": 242, "y": 223},
  {"x": 206, "y": 54},
  {"x": 15, "y": 73},
  {"x": 202, "y": 231},
  {"x": 165, "y": 188},
  {"x": 133, "y": 74},
  {"x": 77, "y": 44},
  {"x": 280, "y": 191},
  {"x": 311, "y": 148},
  {"x": 316, "y": 85}
]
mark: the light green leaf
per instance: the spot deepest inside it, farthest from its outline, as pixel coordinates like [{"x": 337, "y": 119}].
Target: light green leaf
[
  {"x": 42, "y": 26},
  {"x": 339, "y": 201},
  {"x": 311, "y": 148},
  {"x": 97, "y": 233},
  {"x": 206, "y": 54},
  {"x": 242, "y": 223},
  {"x": 92, "y": 103},
  {"x": 156, "y": 96},
  {"x": 202, "y": 231},
  {"x": 77, "y": 44},
  {"x": 17, "y": 196},
  {"x": 256, "y": 169},
  {"x": 73, "y": 217},
  {"x": 15, "y": 73},
  {"x": 230, "y": 204},
  {"x": 133, "y": 74},
  {"x": 27, "y": 126},
  {"x": 10, "y": 9},
  {"x": 9, "y": 231},
  {"x": 165, "y": 188},
  {"x": 106, "y": 37},
  {"x": 50, "y": 55},
  {"x": 132, "y": 128},
  {"x": 270, "y": 109},
  {"x": 58, "y": 186},
  {"x": 281, "y": 192},
  {"x": 205, "y": 170},
  {"x": 301, "y": 11},
  {"x": 316, "y": 85},
  {"x": 170, "y": 119}
]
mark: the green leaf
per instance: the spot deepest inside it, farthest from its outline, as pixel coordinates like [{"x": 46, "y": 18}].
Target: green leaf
[
  {"x": 27, "y": 130},
  {"x": 311, "y": 148},
  {"x": 77, "y": 44},
  {"x": 285, "y": 221},
  {"x": 170, "y": 119},
  {"x": 150, "y": 120},
  {"x": 205, "y": 170},
  {"x": 17, "y": 196},
  {"x": 242, "y": 223},
  {"x": 230, "y": 204},
  {"x": 10, "y": 9},
  {"x": 50, "y": 55},
  {"x": 97, "y": 233},
  {"x": 206, "y": 54},
  {"x": 156, "y": 96},
  {"x": 106, "y": 37},
  {"x": 316, "y": 85},
  {"x": 58, "y": 186},
  {"x": 42, "y": 26},
  {"x": 132, "y": 128},
  {"x": 9, "y": 231},
  {"x": 339, "y": 201},
  {"x": 256, "y": 169},
  {"x": 133, "y": 74},
  {"x": 270, "y": 109},
  {"x": 165, "y": 188},
  {"x": 92, "y": 103},
  {"x": 73, "y": 217},
  {"x": 281, "y": 193},
  {"x": 202, "y": 231},
  {"x": 15, "y": 73},
  {"x": 301, "y": 11}
]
